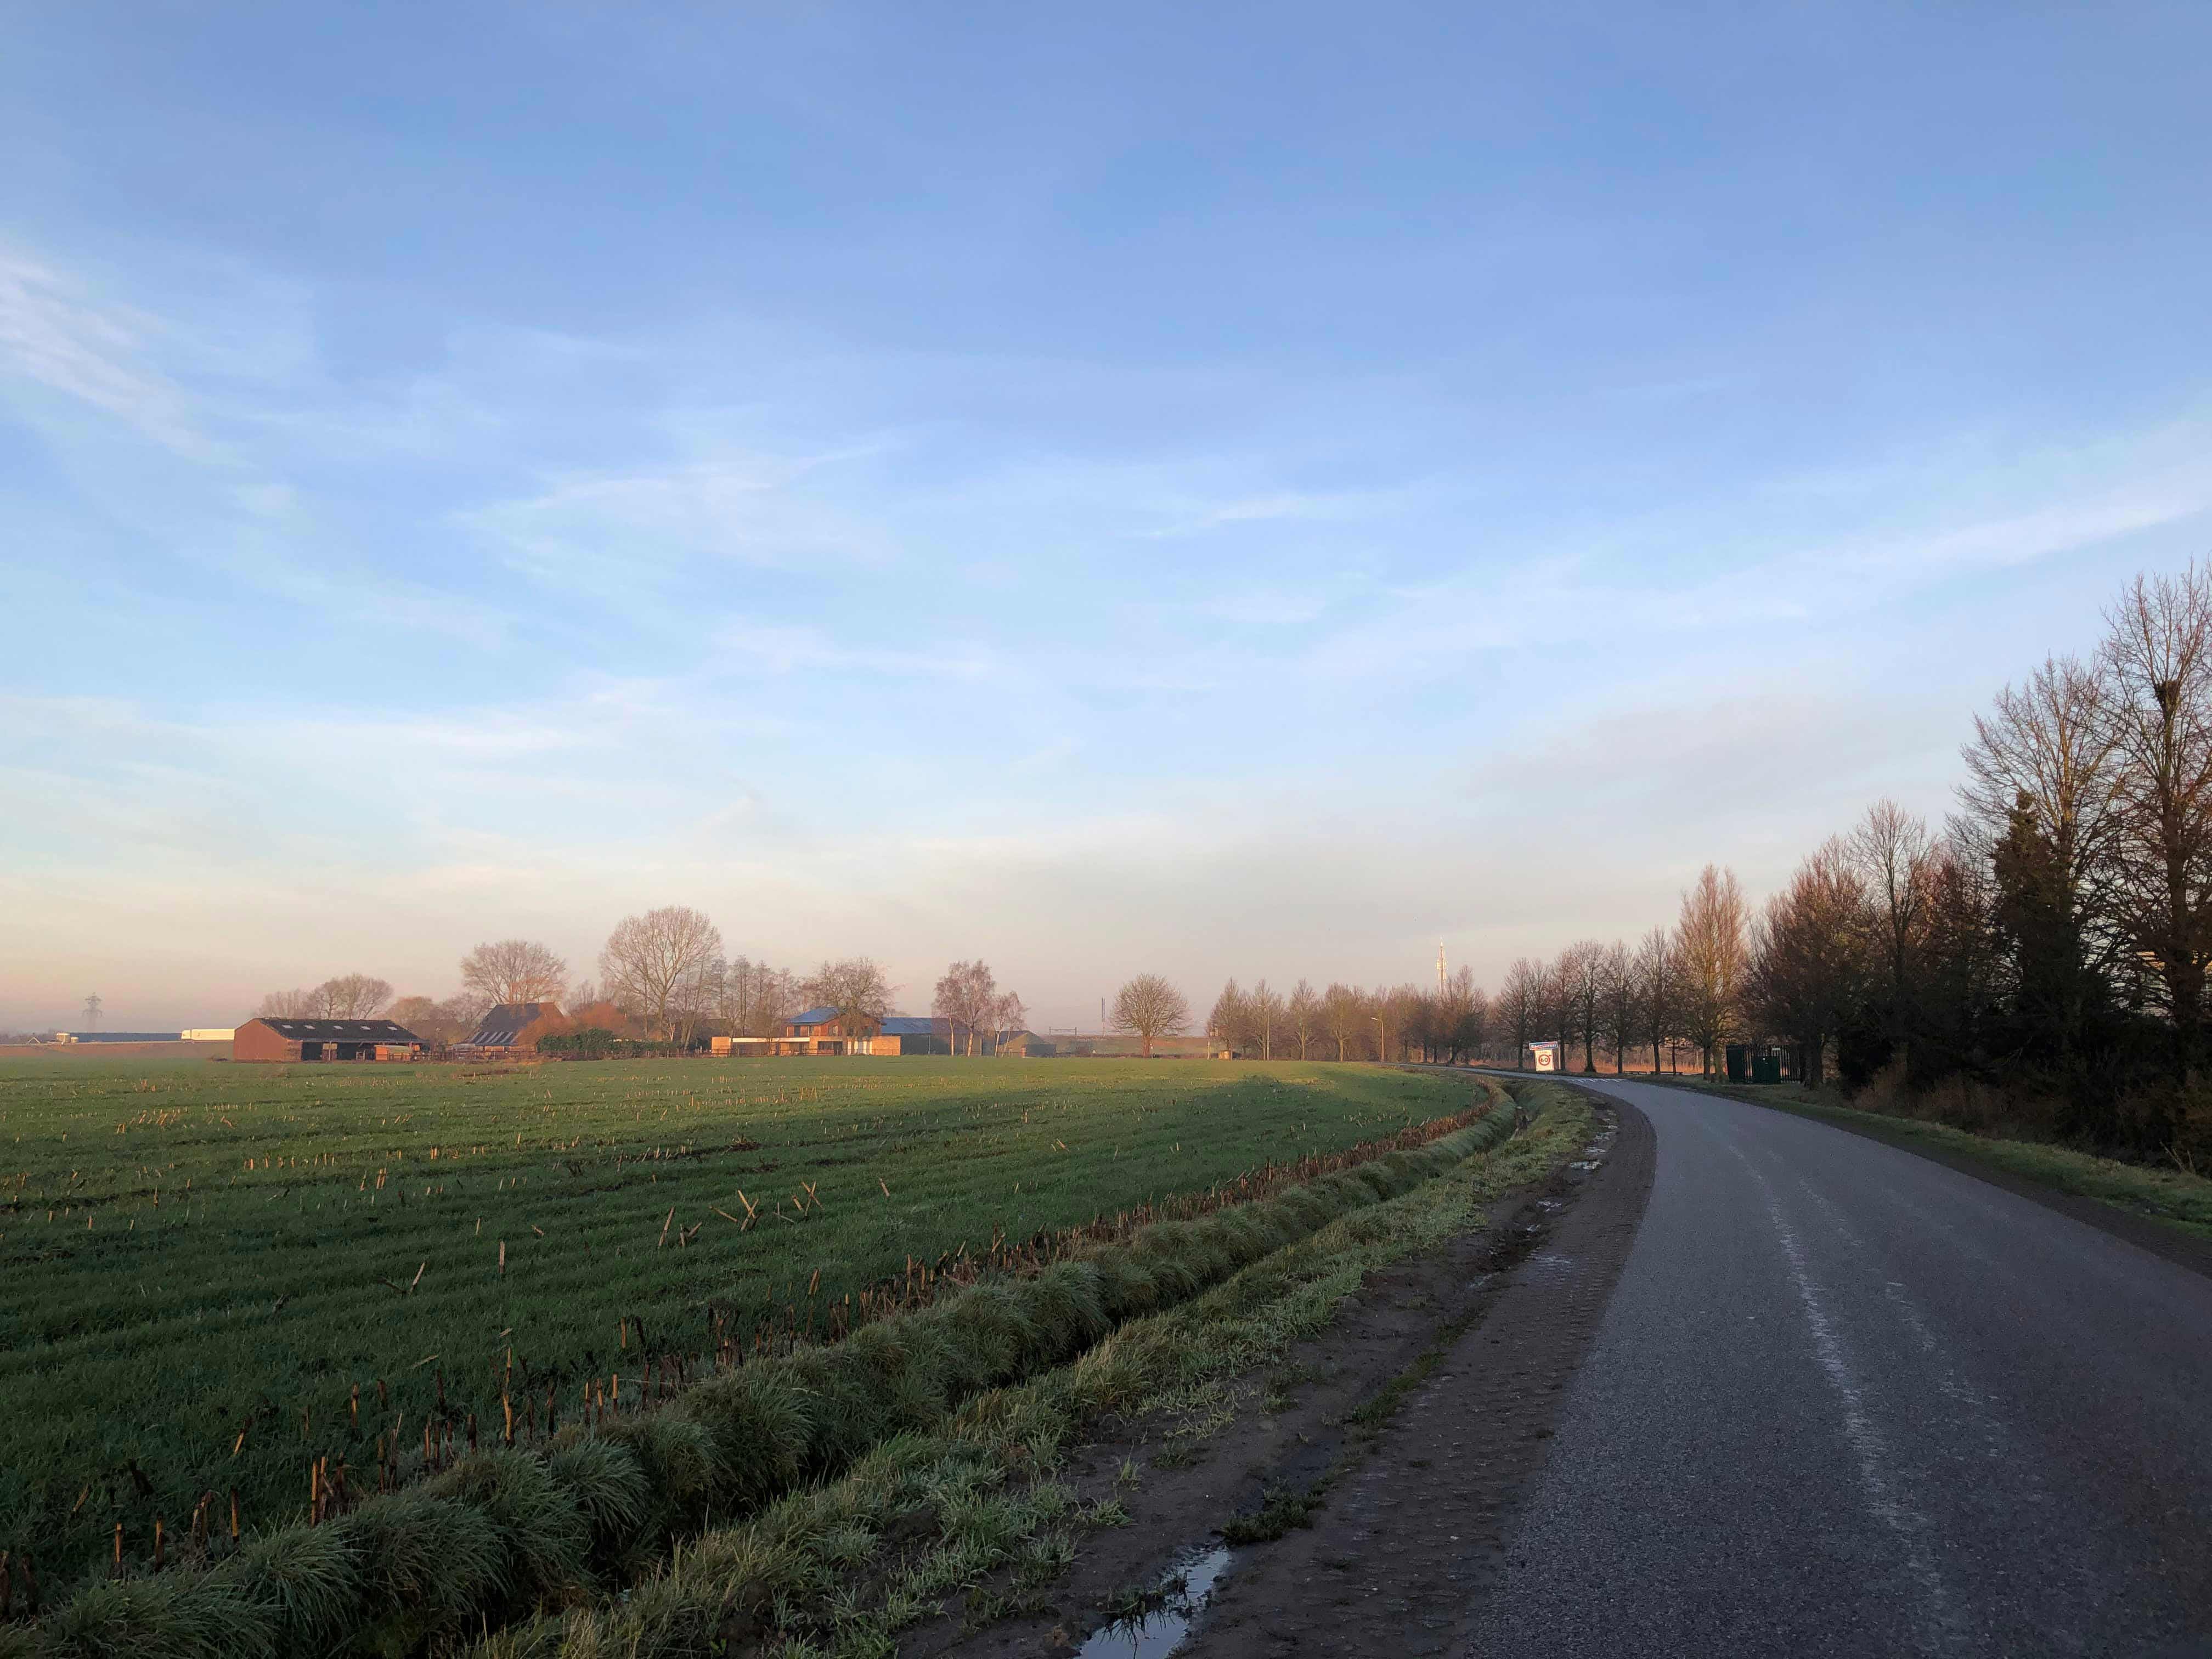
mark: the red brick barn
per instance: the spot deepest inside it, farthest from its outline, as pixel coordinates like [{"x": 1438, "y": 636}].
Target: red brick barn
[{"x": 271, "y": 1039}]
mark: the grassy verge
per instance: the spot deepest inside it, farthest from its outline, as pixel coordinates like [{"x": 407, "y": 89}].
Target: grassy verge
[
  {"x": 842, "y": 1569},
  {"x": 502, "y": 1532},
  {"x": 2173, "y": 1197}
]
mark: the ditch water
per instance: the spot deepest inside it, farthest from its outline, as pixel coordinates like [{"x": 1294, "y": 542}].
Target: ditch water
[{"x": 1161, "y": 1631}]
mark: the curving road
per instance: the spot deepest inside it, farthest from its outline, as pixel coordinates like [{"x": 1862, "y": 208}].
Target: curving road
[{"x": 1845, "y": 1401}]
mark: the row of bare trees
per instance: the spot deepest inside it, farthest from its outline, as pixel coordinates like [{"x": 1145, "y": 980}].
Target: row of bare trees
[
  {"x": 1677, "y": 986},
  {"x": 2051, "y": 940},
  {"x": 1347, "y": 1022},
  {"x": 2047, "y": 947}
]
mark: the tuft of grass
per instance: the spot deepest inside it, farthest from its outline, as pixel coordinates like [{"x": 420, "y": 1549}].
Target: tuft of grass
[{"x": 1282, "y": 1510}]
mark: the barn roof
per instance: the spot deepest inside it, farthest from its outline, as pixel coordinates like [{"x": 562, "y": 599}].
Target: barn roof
[
  {"x": 814, "y": 1017},
  {"x": 506, "y": 1022},
  {"x": 341, "y": 1030},
  {"x": 915, "y": 1025}
]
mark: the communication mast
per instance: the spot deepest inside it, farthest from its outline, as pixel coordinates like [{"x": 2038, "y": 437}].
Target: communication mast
[{"x": 1441, "y": 984}]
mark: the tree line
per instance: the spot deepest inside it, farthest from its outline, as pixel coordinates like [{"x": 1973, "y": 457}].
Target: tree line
[
  {"x": 2037, "y": 961},
  {"x": 663, "y": 978},
  {"x": 1347, "y": 1022}
]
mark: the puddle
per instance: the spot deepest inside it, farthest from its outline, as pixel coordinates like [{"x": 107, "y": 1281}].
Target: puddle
[
  {"x": 1161, "y": 1631},
  {"x": 1544, "y": 1264}
]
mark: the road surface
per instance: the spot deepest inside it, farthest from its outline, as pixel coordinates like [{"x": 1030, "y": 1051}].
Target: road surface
[{"x": 1845, "y": 1401}]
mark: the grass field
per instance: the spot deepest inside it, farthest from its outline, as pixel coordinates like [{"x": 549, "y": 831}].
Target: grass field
[{"x": 198, "y": 1252}]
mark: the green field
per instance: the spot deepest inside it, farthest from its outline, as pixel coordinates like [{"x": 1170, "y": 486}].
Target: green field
[{"x": 196, "y": 1250}]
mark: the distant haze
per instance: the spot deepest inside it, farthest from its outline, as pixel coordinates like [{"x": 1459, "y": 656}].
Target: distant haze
[{"x": 1200, "y": 491}]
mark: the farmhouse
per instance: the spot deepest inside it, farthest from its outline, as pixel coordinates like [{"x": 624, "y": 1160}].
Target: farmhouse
[
  {"x": 515, "y": 1025},
  {"x": 323, "y": 1039},
  {"x": 825, "y": 1031}
]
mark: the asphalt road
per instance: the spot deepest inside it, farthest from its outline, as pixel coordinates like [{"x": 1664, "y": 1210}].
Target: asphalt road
[{"x": 1845, "y": 1401}]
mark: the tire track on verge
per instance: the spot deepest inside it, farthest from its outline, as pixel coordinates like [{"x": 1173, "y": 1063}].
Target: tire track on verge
[{"x": 1418, "y": 1533}]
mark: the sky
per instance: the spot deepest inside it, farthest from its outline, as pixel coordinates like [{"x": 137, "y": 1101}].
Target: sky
[{"x": 1241, "y": 489}]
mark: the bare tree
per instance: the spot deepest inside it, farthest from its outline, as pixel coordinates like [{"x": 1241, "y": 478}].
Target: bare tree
[
  {"x": 1617, "y": 1002},
  {"x": 2044, "y": 786},
  {"x": 438, "y": 1024},
  {"x": 1709, "y": 942},
  {"x": 352, "y": 996},
  {"x": 515, "y": 970},
  {"x": 1892, "y": 848},
  {"x": 1580, "y": 975},
  {"x": 290, "y": 1004},
  {"x": 2157, "y": 658},
  {"x": 658, "y": 962},
  {"x": 1303, "y": 1016},
  {"x": 1423, "y": 1025},
  {"x": 1008, "y": 1012},
  {"x": 750, "y": 997},
  {"x": 966, "y": 999},
  {"x": 1456, "y": 1025},
  {"x": 1150, "y": 1007},
  {"x": 1521, "y": 1004},
  {"x": 1811, "y": 954},
  {"x": 1470, "y": 1030},
  {"x": 1395, "y": 1009},
  {"x": 1230, "y": 1021},
  {"x": 854, "y": 989},
  {"x": 1264, "y": 1008},
  {"x": 1344, "y": 1018},
  {"x": 1658, "y": 992}
]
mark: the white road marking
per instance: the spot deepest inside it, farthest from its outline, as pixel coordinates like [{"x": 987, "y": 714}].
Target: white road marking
[{"x": 1910, "y": 1526}]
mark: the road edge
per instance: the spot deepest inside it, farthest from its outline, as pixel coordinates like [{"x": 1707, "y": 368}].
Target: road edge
[
  {"x": 2163, "y": 1239},
  {"x": 1414, "y": 1541}
]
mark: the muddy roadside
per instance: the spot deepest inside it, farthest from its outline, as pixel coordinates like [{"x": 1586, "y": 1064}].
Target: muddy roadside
[{"x": 1357, "y": 1495}]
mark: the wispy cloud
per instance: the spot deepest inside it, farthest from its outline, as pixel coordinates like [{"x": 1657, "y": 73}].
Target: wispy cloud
[
  {"x": 770, "y": 649},
  {"x": 602, "y": 533},
  {"x": 56, "y": 335},
  {"x": 1278, "y": 507}
]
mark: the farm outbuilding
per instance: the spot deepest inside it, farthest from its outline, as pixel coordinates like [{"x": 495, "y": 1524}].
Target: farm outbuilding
[
  {"x": 273, "y": 1039},
  {"x": 825, "y": 1031},
  {"x": 913, "y": 1033},
  {"x": 516, "y": 1025}
]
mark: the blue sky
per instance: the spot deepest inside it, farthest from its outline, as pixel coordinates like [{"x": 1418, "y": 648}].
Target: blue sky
[{"x": 1242, "y": 490}]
